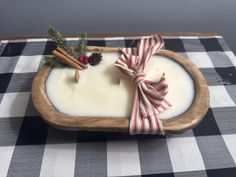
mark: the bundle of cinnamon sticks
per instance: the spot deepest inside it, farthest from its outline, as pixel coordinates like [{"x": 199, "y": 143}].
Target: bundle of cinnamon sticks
[{"x": 70, "y": 60}]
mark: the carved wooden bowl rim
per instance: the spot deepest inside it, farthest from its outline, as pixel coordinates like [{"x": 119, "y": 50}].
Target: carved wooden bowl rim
[{"x": 189, "y": 119}]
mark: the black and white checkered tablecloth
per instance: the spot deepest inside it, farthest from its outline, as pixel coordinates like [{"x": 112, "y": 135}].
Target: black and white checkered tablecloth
[{"x": 31, "y": 148}]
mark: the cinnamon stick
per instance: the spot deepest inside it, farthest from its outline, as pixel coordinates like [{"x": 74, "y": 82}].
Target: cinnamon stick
[
  {"x": 70, "y": 57},
  {"x": 66, "y": 59}
]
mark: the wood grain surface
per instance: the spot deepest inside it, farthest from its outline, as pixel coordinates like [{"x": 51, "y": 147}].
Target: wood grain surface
[
  {"x": 199, "y": 34},
  {"x": 191, "y": 118}
]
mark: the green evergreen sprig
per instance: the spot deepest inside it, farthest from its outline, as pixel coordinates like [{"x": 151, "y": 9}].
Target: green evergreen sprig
[
  {"x": 55, "y": 62},
  {"x": 81, "y": 48},
  {"x": 59, "y": 40}
]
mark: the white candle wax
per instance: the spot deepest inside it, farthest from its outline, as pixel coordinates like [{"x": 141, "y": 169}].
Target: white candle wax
[{"x": 99, "y": 92}]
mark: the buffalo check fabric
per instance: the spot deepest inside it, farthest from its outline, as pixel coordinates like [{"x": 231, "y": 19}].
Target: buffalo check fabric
[{"x": 30, "y": 147}]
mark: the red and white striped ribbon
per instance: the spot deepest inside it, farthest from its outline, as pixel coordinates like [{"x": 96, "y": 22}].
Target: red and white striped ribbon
[{"x": 149, "y": 98}]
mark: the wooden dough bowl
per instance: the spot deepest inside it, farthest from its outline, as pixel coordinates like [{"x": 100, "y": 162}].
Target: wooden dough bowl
[{"x": 189, "y": 119}]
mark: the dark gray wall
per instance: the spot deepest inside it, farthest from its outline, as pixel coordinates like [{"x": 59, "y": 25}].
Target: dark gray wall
[{"x": 24, "y": 17}]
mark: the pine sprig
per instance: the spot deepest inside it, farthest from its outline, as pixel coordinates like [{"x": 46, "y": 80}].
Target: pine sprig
[
  {"x": 79, "y": 51},
  {"x": 55, "y": 62},
  {"x": 81, "y": 48},
  {"x": 59, "y": 40}
]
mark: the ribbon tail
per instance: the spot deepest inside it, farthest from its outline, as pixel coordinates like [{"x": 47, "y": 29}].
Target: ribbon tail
[
  {"x": 133, "y": 123},
  {"x": 144, "y": 119}
]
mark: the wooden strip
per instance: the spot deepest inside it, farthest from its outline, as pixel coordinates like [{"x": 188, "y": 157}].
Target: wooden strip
[
  {"x": 102, "y": 49},
  {"x": 114, "y": 35}
]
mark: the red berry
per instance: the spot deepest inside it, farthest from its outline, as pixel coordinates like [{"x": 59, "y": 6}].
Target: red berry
[
  {"x": 85, "y": 60},
  {"x": 81, "y": 59}
]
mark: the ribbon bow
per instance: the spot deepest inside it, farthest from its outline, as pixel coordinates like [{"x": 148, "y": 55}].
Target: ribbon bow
[{"x": 149, "y": 98}]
